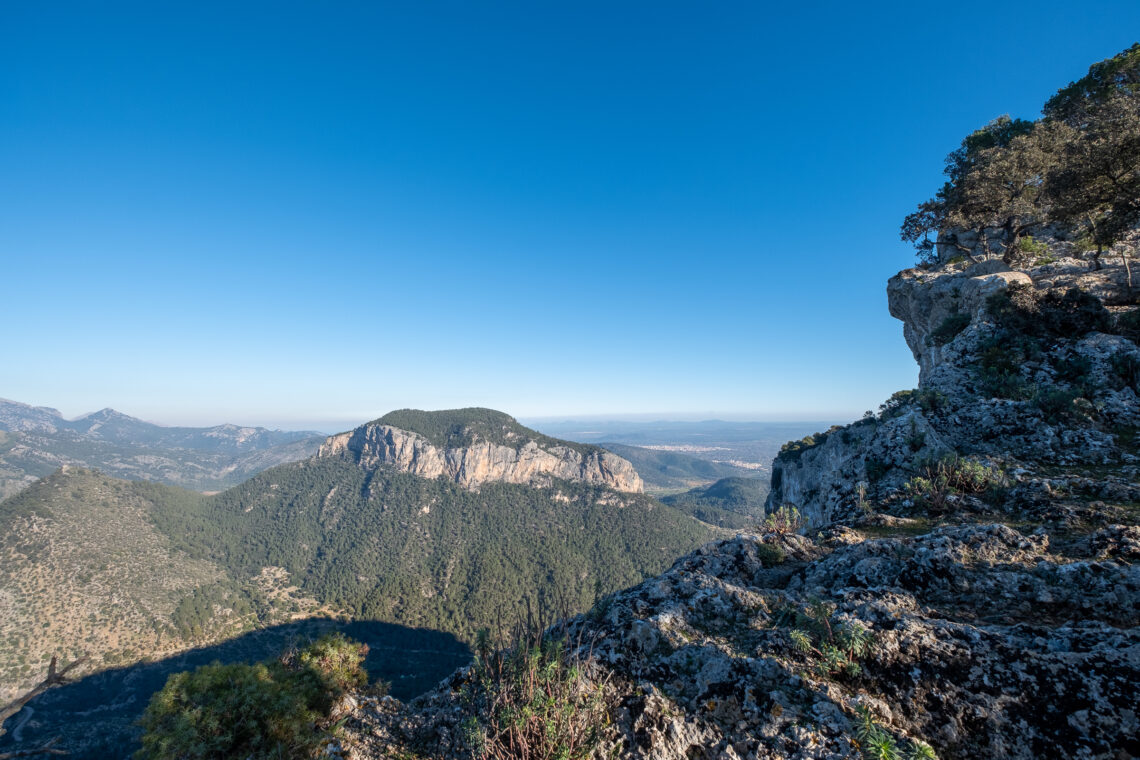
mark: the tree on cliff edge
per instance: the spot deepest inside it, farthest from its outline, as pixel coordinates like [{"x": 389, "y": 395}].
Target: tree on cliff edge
[{"x": 1078, "y": 167}]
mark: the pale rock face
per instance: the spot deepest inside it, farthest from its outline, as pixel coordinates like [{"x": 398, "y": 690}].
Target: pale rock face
[
  {"x": 960, "y": 416},
  {"x": 482, "y": 462},
  {"x": 924, "y": 300},
  {"x": 823, "y": 481}
]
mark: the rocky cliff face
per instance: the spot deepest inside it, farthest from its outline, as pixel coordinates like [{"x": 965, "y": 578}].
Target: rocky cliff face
[
  {"x": 1016, "y": 367},
  {"x": 482, "y": 461}
]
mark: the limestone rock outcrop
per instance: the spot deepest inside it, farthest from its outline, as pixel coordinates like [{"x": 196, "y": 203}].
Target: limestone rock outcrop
[
  {"x": 923, "y": 301},
  {"x": 1016, "y": 367},
  {"x": 535, "y": 461}
]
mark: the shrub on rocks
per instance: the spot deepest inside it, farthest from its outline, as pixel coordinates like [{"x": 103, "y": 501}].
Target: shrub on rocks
[{"x": 274, "y": 709}]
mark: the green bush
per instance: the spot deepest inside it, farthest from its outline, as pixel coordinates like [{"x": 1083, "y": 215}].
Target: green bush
[
  {"x": 787, "y": 519},
  {"x": 273, "y": 709},
  {"x": 1128, "y": 325},
  {"x": 1126, "y": 367},
  {"x": 832, "y": 646},
  {"x": 876, "y": 743},
  {"x": 999, "y": 363},
  {"x": 949, "y": 476},
  {"x": 915, "y": 438},
  {"x": 1030, "y": 246},
  {"x": 926, "y": 399},
  {"x": 770, "y": 555},
  {"x": 1050, "y": 314},
  {"x": 876, "y": 469},
  {"x": 1076, "y": 370},
  {"x": 949, "y": 329},
  {"x": 896, "y": 404},
  {"x": 1057, "y": 405},
  {"x": 793, "y": 450}
]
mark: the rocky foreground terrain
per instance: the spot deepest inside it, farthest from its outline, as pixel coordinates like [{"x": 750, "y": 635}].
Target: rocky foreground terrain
[{"x": 963, "y": 582}]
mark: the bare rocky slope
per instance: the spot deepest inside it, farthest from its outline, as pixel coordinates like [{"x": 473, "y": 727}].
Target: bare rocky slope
[{"x": 966, "y": 585}]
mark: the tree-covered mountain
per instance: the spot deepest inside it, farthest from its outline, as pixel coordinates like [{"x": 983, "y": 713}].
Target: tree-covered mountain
[
  {"x": 728, "y": 503},
  {"x": 36, "y": 441},
  {"x": 387, "y": 545},
  {"x": 127, "y": 570}
]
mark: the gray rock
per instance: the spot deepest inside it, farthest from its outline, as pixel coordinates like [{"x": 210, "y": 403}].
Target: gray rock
[{"x": 375, "y": 444}]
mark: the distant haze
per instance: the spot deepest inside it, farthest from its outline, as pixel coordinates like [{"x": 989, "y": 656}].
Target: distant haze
[{"x": 307, "y": 215}]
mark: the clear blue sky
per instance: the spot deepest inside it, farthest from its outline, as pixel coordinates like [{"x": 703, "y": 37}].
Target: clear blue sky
[{"x": 306, "y": 213}]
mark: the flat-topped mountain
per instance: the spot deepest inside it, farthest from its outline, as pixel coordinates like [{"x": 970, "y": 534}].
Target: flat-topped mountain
[
  {"x": 36, "y": 440},
  {"x": 475, "y": 446}
]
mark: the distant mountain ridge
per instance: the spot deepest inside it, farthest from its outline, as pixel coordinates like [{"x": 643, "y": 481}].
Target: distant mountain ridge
[
  {"x": 115, "y": 427},
  {"x": 36, "y": 440}
]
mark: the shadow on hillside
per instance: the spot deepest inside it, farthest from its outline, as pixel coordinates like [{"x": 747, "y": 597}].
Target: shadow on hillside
[{"x": 95, "y": 715}]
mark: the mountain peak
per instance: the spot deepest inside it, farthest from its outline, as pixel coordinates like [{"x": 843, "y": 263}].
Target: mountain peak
[
  {"x": 475, "y": 445},
  {"x": 459, "y": 428},
  {"x": 106, "y": 413},
  {"x": 16, "y": 416}
]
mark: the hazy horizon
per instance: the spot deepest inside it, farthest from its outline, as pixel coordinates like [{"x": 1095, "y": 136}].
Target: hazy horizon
[
  {"x": 330, "y": 426},
  {"x": 296, "y": 216}
]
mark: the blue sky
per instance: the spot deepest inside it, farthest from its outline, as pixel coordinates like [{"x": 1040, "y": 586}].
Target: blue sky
[{"x": 305, "y": 214}]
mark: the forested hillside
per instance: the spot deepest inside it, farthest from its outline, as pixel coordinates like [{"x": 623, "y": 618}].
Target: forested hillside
[
  {"x": 386, "y": 545},
  {"x": 126, "y": 570},
  {"x": 84, "y": 570},
  {"x": 728, "y": 503}
]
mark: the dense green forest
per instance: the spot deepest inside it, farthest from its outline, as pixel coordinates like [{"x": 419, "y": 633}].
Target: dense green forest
[
  {"x": 385, "y": 545},
  {"x": 733, "y": 503}
]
